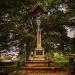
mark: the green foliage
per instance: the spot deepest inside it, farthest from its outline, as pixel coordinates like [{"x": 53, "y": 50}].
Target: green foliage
[
  {"x": 21, "y": 60},
  {"x": 16, "y": 19},
  {"x": 59, "y": 58}
]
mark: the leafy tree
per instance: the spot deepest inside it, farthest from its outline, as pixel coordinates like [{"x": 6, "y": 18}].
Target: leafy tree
[{"x": 18, "y": 25}]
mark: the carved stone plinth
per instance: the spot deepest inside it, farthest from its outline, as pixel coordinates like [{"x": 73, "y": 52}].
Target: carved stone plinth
[
  {"x": 38, "y": 58},
  {"x": 39, "y": 54}
]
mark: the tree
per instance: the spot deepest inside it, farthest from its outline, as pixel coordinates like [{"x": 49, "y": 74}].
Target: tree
[{"x": 18, "y": 26}]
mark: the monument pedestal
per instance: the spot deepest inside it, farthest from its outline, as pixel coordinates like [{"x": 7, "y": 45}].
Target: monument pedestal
[
  {"x": 39, "y": 54},
  {"x": 39, "y": 58}
]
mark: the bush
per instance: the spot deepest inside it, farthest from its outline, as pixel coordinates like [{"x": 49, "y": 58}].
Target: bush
[{"x": 58, "y": 58}]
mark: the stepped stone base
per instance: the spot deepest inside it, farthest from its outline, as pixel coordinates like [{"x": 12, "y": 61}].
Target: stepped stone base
[
  {"x": 43, "y": 73},
  {"x": 38, "y": 67}
]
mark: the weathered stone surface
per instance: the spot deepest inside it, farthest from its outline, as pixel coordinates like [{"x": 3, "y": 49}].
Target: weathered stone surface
[
  {"x": 39, "y": 67},
  {"x": 42, "y": 73}
]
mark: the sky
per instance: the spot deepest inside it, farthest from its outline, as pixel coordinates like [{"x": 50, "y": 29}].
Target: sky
[{"x": 70, "y": 32}]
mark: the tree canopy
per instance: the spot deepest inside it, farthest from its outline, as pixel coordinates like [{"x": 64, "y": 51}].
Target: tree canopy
[{"x": 18, "y": 25}]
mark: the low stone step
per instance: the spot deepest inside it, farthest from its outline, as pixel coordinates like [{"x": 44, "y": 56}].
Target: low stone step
[
  {"x": 39, "y": 68},
  {"x": 39, "y": 64}
]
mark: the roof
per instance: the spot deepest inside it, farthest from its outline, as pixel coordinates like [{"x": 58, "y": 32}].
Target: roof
[{"x": 37, "y": 8}]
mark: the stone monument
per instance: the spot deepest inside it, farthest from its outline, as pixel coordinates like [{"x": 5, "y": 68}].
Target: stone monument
[
  {"x": 39, "y": 50},
  {"x": 38, "y": 11},
  {"x": 37, "y": 64}
]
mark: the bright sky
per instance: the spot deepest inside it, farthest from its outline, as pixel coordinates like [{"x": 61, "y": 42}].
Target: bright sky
[{"x": 70, "y": 32}]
